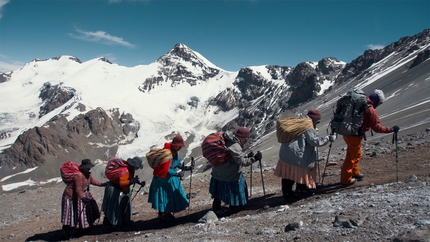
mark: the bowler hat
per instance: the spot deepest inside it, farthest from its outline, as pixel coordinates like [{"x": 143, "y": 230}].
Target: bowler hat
[{"x": 86, "y": 163}]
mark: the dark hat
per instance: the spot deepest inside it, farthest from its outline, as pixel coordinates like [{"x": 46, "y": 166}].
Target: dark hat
[
  {"x": 242, "y": 132},
  {"x": 314, "y": 114},
  {"x": 136, "y": 162},
  {"x": 86, "y": 163},
  {"x": 178, "y": 141}
]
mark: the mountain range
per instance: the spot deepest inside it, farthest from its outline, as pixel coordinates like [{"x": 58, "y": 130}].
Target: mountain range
[{"x": 61, "y": 109}]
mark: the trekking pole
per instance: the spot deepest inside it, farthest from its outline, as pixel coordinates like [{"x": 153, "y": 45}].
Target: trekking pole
[
  {"x": 142, "y": 184},
  {"x": 397, "y": 154},
  {"x": 318, "y": 166},
  {"x": 325, "y": 167},
  {"x": 191, "y": 178},
  {"x": 250, "y": 183},
  {"x": 262, "y": 181}
]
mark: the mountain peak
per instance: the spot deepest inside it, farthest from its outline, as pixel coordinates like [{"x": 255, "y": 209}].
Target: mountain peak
[{"x": 181, "y": 52}]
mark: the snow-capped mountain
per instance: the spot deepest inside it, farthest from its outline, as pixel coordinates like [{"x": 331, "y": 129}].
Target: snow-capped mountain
[{"x": 63, "y": 109}]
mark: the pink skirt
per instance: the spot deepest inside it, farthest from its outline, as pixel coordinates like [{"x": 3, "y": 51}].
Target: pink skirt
[{"x": 298, "y": 174}]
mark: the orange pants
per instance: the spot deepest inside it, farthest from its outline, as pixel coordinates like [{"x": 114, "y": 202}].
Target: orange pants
[{"x": 353, "y": 155}]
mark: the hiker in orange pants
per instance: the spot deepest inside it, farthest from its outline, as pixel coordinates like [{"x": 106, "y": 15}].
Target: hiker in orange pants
[
  {"x": 350, "y": 172},
  {"x": 350, "y": 166}
]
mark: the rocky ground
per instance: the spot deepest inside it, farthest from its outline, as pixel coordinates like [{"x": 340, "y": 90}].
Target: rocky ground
[{"x": 390, "y": 204}]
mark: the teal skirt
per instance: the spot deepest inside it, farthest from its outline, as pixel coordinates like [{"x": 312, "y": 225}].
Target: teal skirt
[
  {"x": 231, "y": 193},
  {"x": 167, "y": 195}
]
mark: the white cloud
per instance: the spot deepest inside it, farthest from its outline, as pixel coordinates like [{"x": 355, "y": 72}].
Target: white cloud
[
  {"x": 2, "y": 3},
  {"x": 375, "y": 47},
  {"x": 101, "y": 37}
]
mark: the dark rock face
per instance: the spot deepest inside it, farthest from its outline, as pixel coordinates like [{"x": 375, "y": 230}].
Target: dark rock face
[
  {"x": 404, "y": 46},
  {"x": 54, "y": 97},
  {"x": 92, "y": 135},
  {"x": 4, "y": 77},
  {"x": 259, "y": 100},
  {"x": 303, "y": 81},
  {"x": 421, "y": 57}
]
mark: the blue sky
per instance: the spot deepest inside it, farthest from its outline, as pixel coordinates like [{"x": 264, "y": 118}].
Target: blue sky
[{"x": 230, "y": 34}]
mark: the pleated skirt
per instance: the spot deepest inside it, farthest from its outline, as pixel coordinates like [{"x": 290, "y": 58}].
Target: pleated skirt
[
  {"x": 77, "y": 214},
  {"x": 298, "y": 174},
  {"x": 167, "y": 195},
  {"x": 233, "y": 193},
  {"x": 116, "y": 205}
]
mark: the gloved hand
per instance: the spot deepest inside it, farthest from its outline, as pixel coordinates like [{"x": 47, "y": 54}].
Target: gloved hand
[
  {"x": 134, "y": 181},
  {"x": 395, "y": 128},
  {"x": 258, "y": 156},
  {"x": 187, "y": 168},
  {"x": 251, "y": 154},
  {"x": 332, "y": 137},
  {"x": 180, "y": 174},
  {"x": 85, "y": 200},
  {"x": 104, "y": 184},
  {"x": 142, "y": 183}
]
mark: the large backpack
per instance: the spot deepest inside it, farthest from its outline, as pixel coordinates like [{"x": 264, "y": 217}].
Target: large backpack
[
  {"x": 115, "y": 168},
  {"x": 349, "y": 113},
  {"x": 69, "y": 170},
  {"x": 288, "y": 129},
  {"x": 215, "y": 150}
]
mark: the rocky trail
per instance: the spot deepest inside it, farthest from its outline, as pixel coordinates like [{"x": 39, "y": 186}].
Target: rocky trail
[{"x": 392, "y": 203}]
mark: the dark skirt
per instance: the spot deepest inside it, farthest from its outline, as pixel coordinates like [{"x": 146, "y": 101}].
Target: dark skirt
[
  {"x": 232, "y": 193},
  {"x": 116, "y": 205}
]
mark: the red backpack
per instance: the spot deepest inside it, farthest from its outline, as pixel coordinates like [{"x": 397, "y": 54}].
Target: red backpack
[
  {"x": 214, "y": 149},
  {"x": 115, "y": 168},
  {"x": 69, "y": 170}
]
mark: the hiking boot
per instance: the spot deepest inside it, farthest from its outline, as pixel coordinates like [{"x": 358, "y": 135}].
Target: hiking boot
[
  {"x": 353, "y": 181},
  {"x": 216, "y": 205},
  {"x": 358, "y": 177},
  {"x": 289, "y": 195}
]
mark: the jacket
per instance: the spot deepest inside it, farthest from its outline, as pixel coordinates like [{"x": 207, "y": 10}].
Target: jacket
[
  {"x": 75, "y": 189},
  {"x": 371, "y": 120},
  {"x": 231, "y": 169},
  {"x": 301, "y": 151}
]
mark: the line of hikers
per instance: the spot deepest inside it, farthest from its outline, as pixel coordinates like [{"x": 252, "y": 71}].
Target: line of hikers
[{"x": 296, "y": 165}]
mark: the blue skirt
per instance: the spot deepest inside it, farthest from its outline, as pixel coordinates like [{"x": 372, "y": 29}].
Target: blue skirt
[
  {"x": 232, "y": 193},
  {"x": 167, "y": 195}
]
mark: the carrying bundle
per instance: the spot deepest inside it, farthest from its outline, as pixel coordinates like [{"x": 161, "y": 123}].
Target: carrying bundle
[
  {"x": 349, "y": 113},
  {"x": 215, "y": 150},
  {"x": 288, "y": 129},
  {"x": 69, "y": 170},
  {"x": 115, "y": 168},
  {"x": 157, "y": 156}
]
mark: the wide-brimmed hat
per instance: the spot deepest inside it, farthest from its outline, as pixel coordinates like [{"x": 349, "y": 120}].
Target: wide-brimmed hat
[
  {"x": 136, "y": 162},
  {"x": 86, "y": 163}
]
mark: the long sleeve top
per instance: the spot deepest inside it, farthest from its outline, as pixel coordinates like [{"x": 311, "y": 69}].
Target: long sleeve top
[
  {"x": 371, "y": 120},
  {"x": 231, "y": 170}
]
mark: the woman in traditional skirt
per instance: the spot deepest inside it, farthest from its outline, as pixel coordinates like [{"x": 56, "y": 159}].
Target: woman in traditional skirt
[
  {"x": 228, "y": 183},
  {"x": 166, "y": 193},
  {"x": 297, "y": 158},
  {"x": 117, "y": 197},
  {"x": 79, "y": 209}
]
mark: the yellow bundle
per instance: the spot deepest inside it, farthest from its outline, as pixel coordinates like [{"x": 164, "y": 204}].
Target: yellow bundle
[
  {"x": 158, "y": 156},
  {"x": 288, "y": 129}
]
